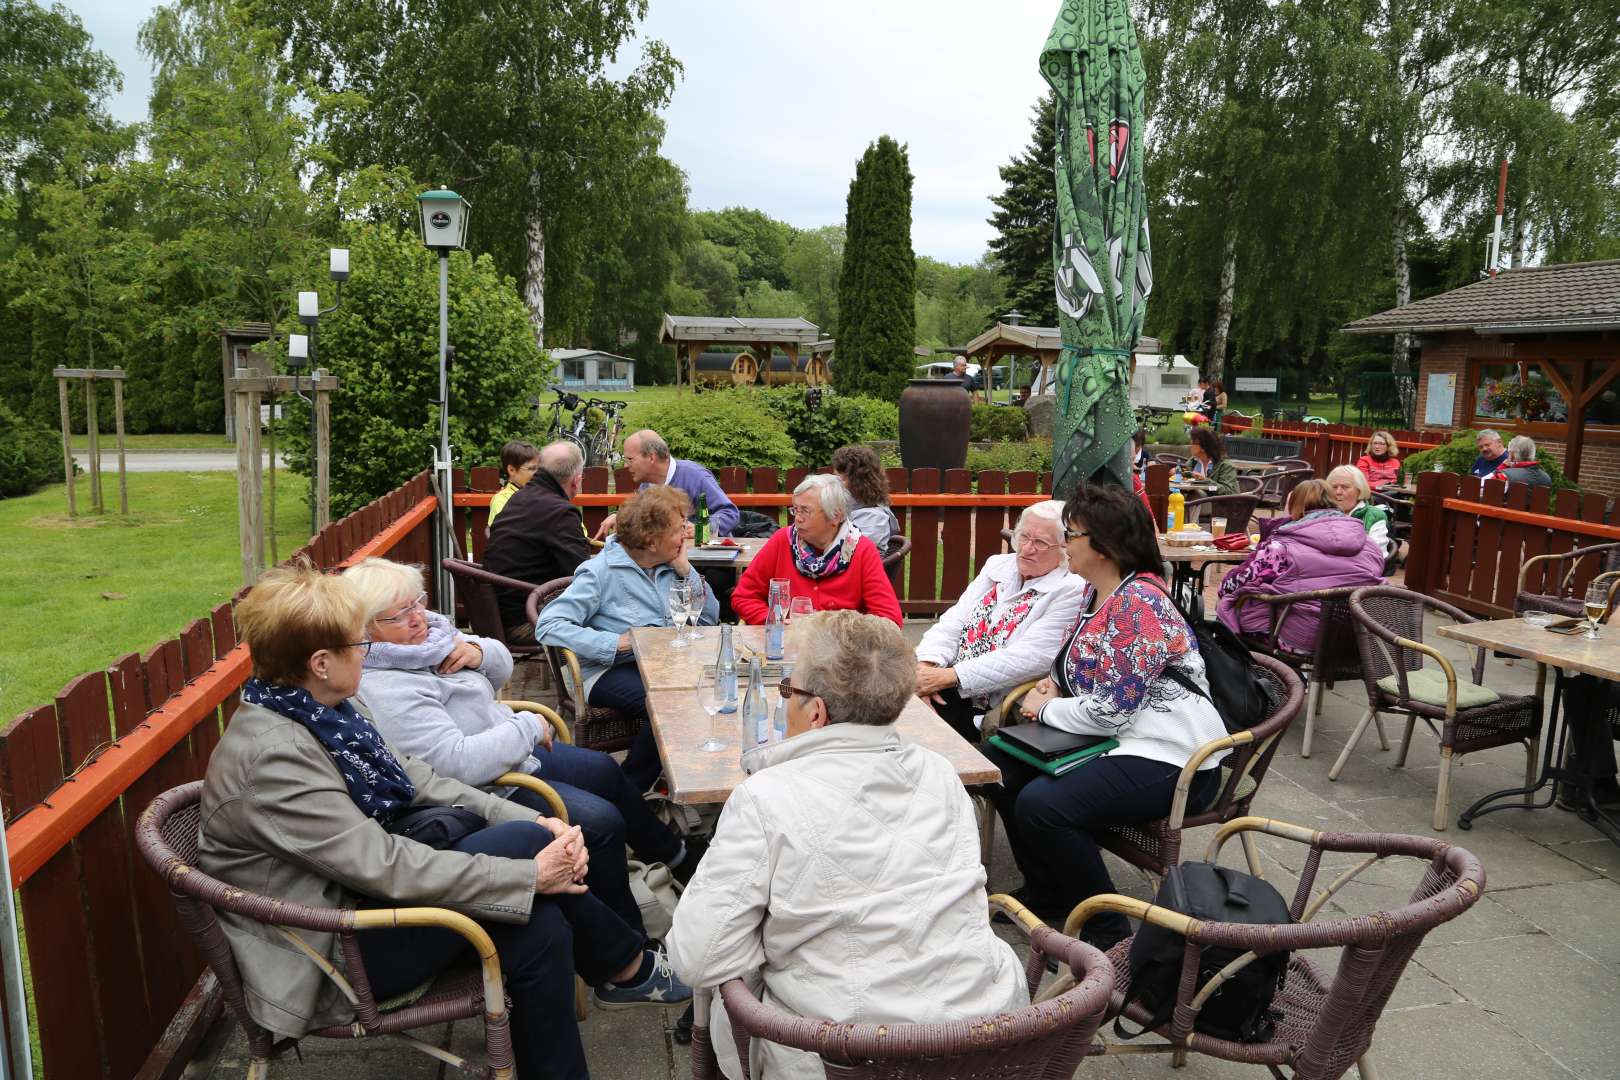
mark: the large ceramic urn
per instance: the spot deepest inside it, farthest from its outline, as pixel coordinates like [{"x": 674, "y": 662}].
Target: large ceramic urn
[{"x": 936, "y": 418}]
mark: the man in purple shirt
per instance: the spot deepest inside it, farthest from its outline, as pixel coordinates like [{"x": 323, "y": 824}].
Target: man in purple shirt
[{"x": 646, "y": 455}]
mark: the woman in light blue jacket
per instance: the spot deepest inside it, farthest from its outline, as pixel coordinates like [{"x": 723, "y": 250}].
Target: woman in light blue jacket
[{"x": 627, "y": 585}]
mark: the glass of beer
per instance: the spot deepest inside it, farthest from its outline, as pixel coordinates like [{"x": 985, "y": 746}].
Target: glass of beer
[
  {"x": 1597, "y": 602},
  {"x": 1217, "y": 526}
]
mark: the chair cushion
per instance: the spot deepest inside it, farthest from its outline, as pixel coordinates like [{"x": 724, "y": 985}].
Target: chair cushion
[
  {"x": 1428, "y": 685},
  {"x": 1246, "y": 786}
]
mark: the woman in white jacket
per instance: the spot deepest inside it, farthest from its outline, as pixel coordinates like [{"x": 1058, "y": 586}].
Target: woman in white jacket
[
  {"x": 1007, "y": 626},
  {"x": 844, "y": 879}
]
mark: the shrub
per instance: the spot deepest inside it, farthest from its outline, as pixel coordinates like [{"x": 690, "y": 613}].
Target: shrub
[
  {"x": 837, "y": 421},
  {"x": 882, "y": 418},
  {"x": 998, "y": 423},
  {"x": 1457, "y": 456},
  {"x": 1029, "y": 455},
  {"x": 1173, "y": 433},
  {"x": 30, "y": 454},
  {"x": 723, "y": 428}
]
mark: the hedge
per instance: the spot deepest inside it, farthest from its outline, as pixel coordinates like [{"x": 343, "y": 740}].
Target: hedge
[
  {"x": 998, "y": 423},
  {"x": 30, "y": 454}
]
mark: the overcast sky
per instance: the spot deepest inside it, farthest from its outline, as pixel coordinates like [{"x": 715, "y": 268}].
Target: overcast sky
[{"x": 779, "y": 99}]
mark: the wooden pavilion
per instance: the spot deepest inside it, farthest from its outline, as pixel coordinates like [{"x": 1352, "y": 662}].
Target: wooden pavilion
[
  {"x": 692, "y": 335},
  {"x": 1039, "y": 344}
]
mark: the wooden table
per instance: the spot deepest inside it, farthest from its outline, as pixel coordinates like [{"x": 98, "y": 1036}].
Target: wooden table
[
  {"x": 1569, "y": 654},
  {"x": 1252, "y": 466},
  {"x": 1186, "y": 578},
  {"x": 747, "y": 547},
  {"x": 679, "y": 722}
]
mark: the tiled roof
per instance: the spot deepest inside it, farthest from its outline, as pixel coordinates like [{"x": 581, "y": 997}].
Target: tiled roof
[{"x": 1573, "y": 296}]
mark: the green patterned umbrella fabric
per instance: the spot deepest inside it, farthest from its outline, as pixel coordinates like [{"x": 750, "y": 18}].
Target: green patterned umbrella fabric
[{"x": 1100, "y": 249}]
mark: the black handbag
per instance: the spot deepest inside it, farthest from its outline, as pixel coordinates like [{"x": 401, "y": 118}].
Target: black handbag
[{"x": 439, "y": 827}]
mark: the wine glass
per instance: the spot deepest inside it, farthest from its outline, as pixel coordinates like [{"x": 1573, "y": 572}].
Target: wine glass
[
  {"x": 695, "y": 597},
  {"x": 711, "y": 699},
  {"x": 680, "y": 596},
  {"x": 1597, "y": 602},
  {"x": 800, "y": 605}
]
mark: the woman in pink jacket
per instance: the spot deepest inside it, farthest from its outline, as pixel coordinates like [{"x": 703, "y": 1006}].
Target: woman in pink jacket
[
  {"x": 1321, "y": 548},
  {"x": 1379, "y": 464}
]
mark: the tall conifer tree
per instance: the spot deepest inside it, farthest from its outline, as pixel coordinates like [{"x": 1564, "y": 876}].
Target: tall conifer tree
[
  {"x": 1025, "y": 212},
  {"x": 877, "y": 318}
]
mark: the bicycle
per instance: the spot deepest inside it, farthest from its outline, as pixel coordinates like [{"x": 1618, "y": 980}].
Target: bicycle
[
  {"x": 594, "y": 426},
  {"x": 604, "y": 443},
  {"x": 574, "y": 430}
]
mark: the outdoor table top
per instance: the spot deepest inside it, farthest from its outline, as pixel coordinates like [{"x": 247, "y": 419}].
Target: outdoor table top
[
  {"x": 1201, "y": 554},
  {"x": 1407, "y": 490},
  {"x": 696, "y": 778},
  {"x": 663, "y": 667},
  {"x": 748, "y": 547},
  {"x": 1252, "y": 466},
  {"x": 1571, "y": 652}
]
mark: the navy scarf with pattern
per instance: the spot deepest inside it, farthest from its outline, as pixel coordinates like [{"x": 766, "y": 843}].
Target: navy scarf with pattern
[{"x": 376, "y": 780}]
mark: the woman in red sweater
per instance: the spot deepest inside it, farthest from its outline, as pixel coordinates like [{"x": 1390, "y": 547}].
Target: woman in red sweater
[
  {"x": 822, "y": 555},
  {"x": 1379, "y": 464}
]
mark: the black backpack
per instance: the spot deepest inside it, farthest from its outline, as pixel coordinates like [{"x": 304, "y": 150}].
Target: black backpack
[
  {"x": 1237, "y": 693},
  {"x": 1240, "y": 1011}
]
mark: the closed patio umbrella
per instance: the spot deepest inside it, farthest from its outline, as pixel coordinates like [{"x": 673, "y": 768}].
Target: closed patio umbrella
[{"x": 1100, "y": 249}]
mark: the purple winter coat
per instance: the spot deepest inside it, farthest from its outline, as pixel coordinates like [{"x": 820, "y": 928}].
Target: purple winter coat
[{"x": 1323, "y": 550}]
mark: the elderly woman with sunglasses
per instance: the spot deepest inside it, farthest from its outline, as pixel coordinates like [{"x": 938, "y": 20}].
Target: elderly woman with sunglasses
[
  {"x": 431, "y": 691},
  {"x": 1006, "y": 627},
  {"x": 306, "y": 802},
  {"x": 823, "y": 556}
]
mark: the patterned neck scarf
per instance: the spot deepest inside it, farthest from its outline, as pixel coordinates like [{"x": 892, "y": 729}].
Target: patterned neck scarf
[
  {"x": 376, "y": 780},
  {"x": 980, "y": 635},
  {"x": 830, "y": 563}
]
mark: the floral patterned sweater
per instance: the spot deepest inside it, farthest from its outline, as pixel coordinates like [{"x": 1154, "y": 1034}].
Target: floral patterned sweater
[{"x": 1112, "y": 673}]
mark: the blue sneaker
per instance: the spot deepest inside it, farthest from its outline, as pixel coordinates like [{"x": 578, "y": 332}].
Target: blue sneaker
[{"x": 662, "y": 987}]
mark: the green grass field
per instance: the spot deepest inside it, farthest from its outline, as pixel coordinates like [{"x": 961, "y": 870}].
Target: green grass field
[
  {"x": 109, "y": 442},
  {"x": 80, "y": 593}
]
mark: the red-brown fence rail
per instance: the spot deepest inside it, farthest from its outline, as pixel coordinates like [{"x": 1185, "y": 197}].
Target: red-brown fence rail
[
  {"x": 1327, "y": 446},
  {"x": 109, "y": 961},
  {"x": 1470, "y": 539}
]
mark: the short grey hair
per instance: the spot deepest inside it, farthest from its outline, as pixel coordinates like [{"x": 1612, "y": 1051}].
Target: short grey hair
[
  {"x": 1489, "y": 433},
  {"x": 382, "y": 584},
  {"x": 1356, "y": 477},
  {"x": 1049, "y": 512},
  {"x": 562, "y": 460},
  {"x": 1522, "y": 448},
  {"x": 860, "y": 666},
  {"x": 836, "y": 501},
  {"x": 651, "y": 443}
]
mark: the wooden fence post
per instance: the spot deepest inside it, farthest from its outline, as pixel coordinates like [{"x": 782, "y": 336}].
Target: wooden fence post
[{"x": 67, "y": 446}]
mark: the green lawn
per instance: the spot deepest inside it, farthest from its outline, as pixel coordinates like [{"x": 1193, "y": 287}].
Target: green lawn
[
  {"x": 80, "y": 593},
  {"x": 154, "y": 442}
]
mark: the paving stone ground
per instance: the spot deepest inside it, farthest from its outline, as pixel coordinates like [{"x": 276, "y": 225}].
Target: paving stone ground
[{"x": 1523, "y": 986}]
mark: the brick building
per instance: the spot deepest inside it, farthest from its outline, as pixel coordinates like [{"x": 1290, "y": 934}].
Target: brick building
[{"x": 1551, "y": 334}]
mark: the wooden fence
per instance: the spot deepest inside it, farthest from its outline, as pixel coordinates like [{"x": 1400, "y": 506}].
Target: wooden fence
[
  {"x": 1327, "y": 446},
  {"x": 109, "y": 961},
  {"x": 954, "y": 527},
  {"x": 1470, "y": 539}
]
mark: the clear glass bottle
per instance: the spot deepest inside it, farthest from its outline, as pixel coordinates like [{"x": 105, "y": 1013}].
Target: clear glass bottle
[
  {"x": 756, "y": 711},
  {"x": 779, "y": 719},
  {"x": 776, "y": 618},
  {"x": 725, "y": 672}
]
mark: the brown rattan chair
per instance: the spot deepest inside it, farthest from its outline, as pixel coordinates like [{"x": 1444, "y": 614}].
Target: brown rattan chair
[
  {"x": 1250, "y": 485},
  {"x": 894, "y": 557},
  {"x": 1333, "y": 655},
  {"x": 475, "y": 587},
  {"x": 1327, "y": 1020},
  {"x": 1559, "y": 594},
  {"x": 1236, "y": 509},
  {"x": 1279, "y": 483},
  {"x": 166, "y": 836},
  {"x": 1155, "y": 846},
  {"x": 1045, "y": 1041},
  {"x": 1175, "y": 461},
  {"x": 595, "y": 727},
  {"x": 1389, "y": 635}
]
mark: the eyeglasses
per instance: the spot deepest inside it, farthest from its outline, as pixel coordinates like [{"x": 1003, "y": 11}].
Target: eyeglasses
[
  {"x": 801, "y": 511},
  {"x": 363, "y": 646},
  {"x": 407, "y": 611},
  {"x": 1035, "y": 544},
  {"x": 1074, "y": 534},
  {"x": 789, "y": 689}
]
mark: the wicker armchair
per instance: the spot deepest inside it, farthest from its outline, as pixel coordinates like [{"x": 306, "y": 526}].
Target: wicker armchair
[
  {"x": 1280, "y": 482},
  {"x": 1333, "y": 656},
  {"x": 1175, "y": 461},
  {"x": 1327, "y": 1019},
  {"x": 476, "y": 588},
  {"x": 166, "y": 836},
  {"x": 894, "y": 558},
  {"x": 1250, "y": 485},
  {"x": 595, "y": 727},
  {"x": 1389, "y": 635},
  {"x": 1155, "y": 846},
  {"x": 1560, "y": 596},
  {"x": 1045, "y": 1041},
  {"x": 1236, "y": 509}
]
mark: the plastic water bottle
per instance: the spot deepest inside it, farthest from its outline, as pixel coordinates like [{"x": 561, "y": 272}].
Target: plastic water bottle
[
  {"x": 725, "y": 672},
  {"x": 756, "y": 711},
  {"x": 776, "y": 619}
]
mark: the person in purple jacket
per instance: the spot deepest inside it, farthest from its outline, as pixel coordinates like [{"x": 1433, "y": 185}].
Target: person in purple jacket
[
  {"x": 1320, "y": 548},
  {"x": 646, "y": 455}
]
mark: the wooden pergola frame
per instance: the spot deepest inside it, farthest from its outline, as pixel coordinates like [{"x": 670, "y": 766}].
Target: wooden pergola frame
[
  {"x": 1575, "y": 425},
  {"x": 730, "y": 332},
  {"x": 90, "y": 377}
]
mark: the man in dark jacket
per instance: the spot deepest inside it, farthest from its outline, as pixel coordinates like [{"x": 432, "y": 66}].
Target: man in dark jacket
[{"x": 539, "y": 536}]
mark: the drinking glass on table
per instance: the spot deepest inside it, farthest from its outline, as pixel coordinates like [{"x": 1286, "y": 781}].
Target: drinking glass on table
[
  {"x": 711, "y": 697},
  {"x": 1217, "y": 527},
  {"x": 695, "y": 597},
  {"x": 680, "y": 596},
  {"x": 800, "y": 605},
  {"x": 1597, "y": 602}
]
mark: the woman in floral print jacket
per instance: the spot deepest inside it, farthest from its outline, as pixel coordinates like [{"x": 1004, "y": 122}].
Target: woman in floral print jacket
[{"x": 1129, "y": 669}]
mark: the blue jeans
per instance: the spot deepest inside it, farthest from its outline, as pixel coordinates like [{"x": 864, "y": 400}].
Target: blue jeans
[
  {"x": 1049, "y": 821},
  {"x": 619, "y": 687},
  {"x": 563, "y": 935},
  {"x": 609, "y": 812}
]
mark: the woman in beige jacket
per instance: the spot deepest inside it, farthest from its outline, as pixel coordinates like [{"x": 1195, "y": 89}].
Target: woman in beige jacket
[
  {"x": 305, "y": 801},
  {"x": 844, "y": 875}
]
